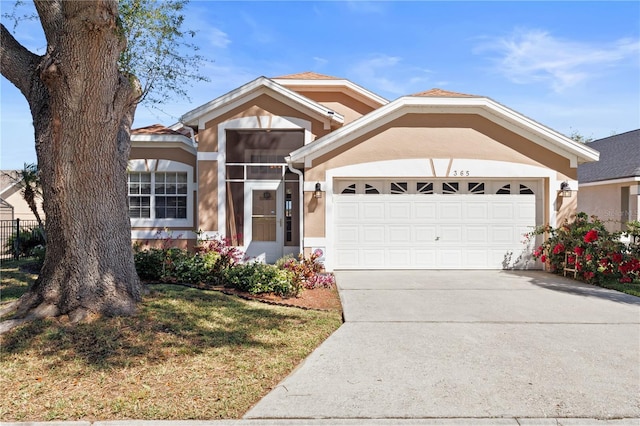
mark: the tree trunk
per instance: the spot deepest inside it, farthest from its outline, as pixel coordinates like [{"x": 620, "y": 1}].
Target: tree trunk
[{"x": 82, "y": 110}]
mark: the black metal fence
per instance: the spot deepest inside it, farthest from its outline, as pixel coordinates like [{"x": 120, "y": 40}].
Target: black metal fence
[{"x": 19, "y": 237}]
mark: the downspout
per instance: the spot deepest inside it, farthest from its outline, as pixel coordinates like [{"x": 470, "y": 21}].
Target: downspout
[{"x": 301, "y": 200}]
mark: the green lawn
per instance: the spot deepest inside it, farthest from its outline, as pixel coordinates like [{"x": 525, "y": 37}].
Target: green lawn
[{"x": 189, "y": 354}]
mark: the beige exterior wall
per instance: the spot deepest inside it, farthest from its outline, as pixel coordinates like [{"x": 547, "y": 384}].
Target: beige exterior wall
[
  {"x": 605, "y": 202},
  {"x": 565, "y": 209},
  {"x": 21, "y": 209},
  {"x": 441, "y": 136},
  {"x": 314, "y": 216},
  {"x": 207, "y": 204},
  {"x": 341, "y": 103},
  {"x": 155, "y": 152}
]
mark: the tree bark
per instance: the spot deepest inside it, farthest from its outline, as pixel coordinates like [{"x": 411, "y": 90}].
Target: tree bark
[{"x": 82, "y": 109}]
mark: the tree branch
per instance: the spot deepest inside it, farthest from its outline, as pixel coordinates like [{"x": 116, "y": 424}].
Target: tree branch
[
  {"x": 17, "y": 63},
  {"x": 50, "y": 13}
]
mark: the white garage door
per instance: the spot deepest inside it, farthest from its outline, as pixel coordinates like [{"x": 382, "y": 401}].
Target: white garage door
[{"x": 431, "y": 230}]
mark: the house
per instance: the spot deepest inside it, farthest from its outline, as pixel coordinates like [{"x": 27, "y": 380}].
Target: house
[
  {"x": 12, "y": 204},
  {"x": 610, "y": 188},
  {"x": 306, "y": 161}
]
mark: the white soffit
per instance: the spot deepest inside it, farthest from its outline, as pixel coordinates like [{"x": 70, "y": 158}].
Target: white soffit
[
  {"x": 259, "y": 86},
  {"x": 359, "y": 92},
  {"x": 485, "y": 107}
]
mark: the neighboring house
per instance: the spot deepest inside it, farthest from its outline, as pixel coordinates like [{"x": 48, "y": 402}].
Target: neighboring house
[
  {"x": 610, "y": 188},
  {"x": 12, "y": 204},
  {"x": 302, "y": 162}
]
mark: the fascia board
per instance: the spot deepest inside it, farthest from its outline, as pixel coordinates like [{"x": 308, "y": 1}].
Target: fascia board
[
  {"x": 364, "y": 95},
  {"x": 540, "y": 133},
  {"x": 519, "y": 124},
  {"x": 249, "y": 91},
  {"x": 630, "y": 179}
]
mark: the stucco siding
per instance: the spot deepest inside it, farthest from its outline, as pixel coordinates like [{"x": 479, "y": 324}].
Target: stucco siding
[
  {"x": 21, "y": 209},
  {"x": 207, "y": 196},
  {"x": 341, "y": 103},
  {"x": 441, "y": 136},
  {"x": 172, "y": 154},
  {"x": 605, "y": 202},
  {"x": 314, "y": 216}
]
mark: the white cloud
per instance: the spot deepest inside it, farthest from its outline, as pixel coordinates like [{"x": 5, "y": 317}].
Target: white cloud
[
  {"x": 384, "y": 73},
  {"x": 529, "y": 56},
  {"x": 218, "y": 38}
]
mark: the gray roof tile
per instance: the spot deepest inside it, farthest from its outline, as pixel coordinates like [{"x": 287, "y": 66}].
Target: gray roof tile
[{"x": 619, "y": 158}]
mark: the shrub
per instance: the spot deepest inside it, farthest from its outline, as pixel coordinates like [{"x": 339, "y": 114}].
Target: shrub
[
  {"x": 30, "y": 238},
  {"x": 307, "y": 271},
  {"x": 598, "y": 254},
  {"x": 256, "y": 277}
]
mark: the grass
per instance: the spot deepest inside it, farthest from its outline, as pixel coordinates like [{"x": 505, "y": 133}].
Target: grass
[
  {"x": 629, "y": 288},
  {"x": 13, "y": 281},
  {"x": 189, "y": 354}
]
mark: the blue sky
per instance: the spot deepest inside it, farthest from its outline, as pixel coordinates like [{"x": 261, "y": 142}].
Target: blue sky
[{"x": 573, "y": 66}]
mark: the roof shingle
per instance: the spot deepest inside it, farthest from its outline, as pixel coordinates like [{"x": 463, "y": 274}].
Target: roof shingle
[
  {"x": 440, "y": 93},
  {"x": 307, "y": 75},
  {"x": 619, "y": 158}
]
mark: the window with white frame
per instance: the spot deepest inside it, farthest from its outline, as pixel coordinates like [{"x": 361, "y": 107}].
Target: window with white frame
[{"x": 159, "y": 195}]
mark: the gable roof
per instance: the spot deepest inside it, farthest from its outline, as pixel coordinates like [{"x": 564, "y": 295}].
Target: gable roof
[
  {"x": 574, "y": 151},
  {"x": 311, "y": 81},
  {"x": 438, "y": 93},
  {"x": 306, "y": 75},
  {"x": 159, "y": 136},
  {"x": 261, "y": 85},
  {"x": 155, "y": 129},
  {"x": 619, "y": 158}
]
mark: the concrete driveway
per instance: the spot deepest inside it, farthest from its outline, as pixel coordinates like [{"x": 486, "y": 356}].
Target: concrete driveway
[{"x": 469, "y": 344}]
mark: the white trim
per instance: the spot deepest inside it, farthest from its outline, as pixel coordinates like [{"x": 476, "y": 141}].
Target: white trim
[
  {"x": 363, "y": 95},
  {"x": 315, "y": 242},
  {"x": 611, "y": 181},
  {"x": 485, "y": 107},
  {"x": 207, "y": 156},
  {"x": 161, "y": 166},
  {"x": 251, "y": 90}
]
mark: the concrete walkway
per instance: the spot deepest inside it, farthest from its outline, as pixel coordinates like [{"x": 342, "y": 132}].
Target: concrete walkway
[{"x": 491, "y": 347}]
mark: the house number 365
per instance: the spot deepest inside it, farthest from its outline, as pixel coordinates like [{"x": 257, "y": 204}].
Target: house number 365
[{"x": 461, "y": 173}]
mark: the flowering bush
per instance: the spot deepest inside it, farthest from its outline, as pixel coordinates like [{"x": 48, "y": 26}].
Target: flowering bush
[
  {"x": 596, "y": 253},
  {"x": 215, "y": 261},
  {"x": 307, "y": 271}
]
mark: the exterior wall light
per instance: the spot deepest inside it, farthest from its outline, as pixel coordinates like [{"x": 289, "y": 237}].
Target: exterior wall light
[
  {"x": 565, "y": 190},
  {"x": 318, "y": 192}
]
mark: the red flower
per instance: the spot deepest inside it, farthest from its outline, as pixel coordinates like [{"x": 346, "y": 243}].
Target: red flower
[
  {"x": 591, "y": 236},
  {"x": 543, "y": 259},
  {"x": 571, "y": 260},
  {"x": 589, "y": 257},
  {"x": 617, "y": 257},
  {"x": 589, "y": 275},
  {"x": 559, "y": 248},
  {"x": 579, "y": 251},
  {"x": 626, "y": 279}
]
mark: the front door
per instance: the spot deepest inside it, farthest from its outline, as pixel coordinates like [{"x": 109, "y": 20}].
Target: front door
[{"x": 264, "y": 220}]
